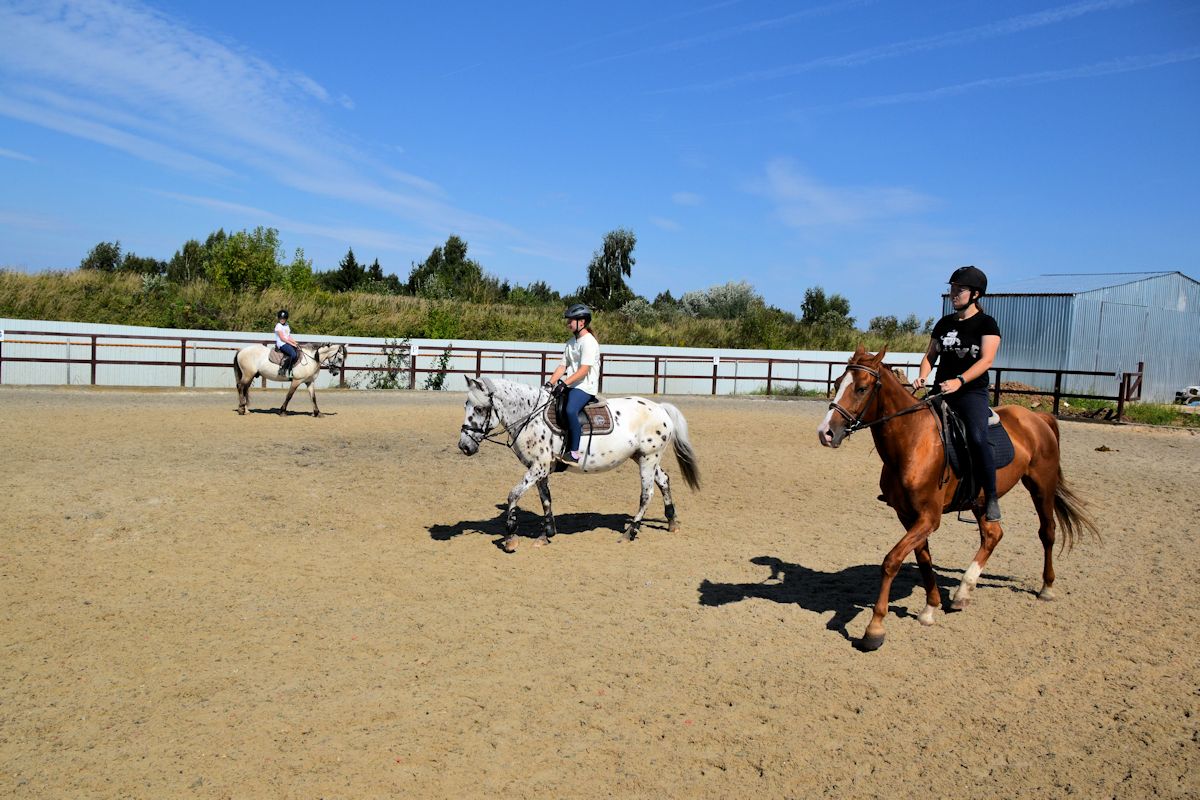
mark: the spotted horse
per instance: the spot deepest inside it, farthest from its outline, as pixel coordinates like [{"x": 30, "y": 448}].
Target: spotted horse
[{"x": 642, "y": 431}]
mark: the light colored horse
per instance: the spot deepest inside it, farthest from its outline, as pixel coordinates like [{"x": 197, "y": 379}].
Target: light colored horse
[
  {"x": 255, "y": 360},
  {"x": 642, "y": 430}
]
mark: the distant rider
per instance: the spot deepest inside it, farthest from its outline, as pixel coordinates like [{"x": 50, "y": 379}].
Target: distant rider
[
  {"x": 581, "y": 366},
  {"x": 285, "y": 343}
]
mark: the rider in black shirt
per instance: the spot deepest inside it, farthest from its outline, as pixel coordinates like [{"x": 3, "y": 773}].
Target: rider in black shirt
[{"x": 967, "y": 342}]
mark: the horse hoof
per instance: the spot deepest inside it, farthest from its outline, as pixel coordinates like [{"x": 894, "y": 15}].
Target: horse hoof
[
  {"x": 541, "y": 541},
  {"x": 673, "y": 526},
  {"x": 960, "y": 605},
  {"x": 1047, "y": 595},
  {"x": 868, "y": 643},
  {"x": 509, "y": 545}
]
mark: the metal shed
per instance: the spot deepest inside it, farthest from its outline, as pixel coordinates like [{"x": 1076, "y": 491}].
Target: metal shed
[{"x": 1100, "y": 321}]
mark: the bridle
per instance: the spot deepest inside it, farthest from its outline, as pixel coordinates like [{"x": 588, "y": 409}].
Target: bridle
[
  {"x": 488, "y": 431},
  {"x": 333, "y": 363},
  {"x": 856, "y": 422}
]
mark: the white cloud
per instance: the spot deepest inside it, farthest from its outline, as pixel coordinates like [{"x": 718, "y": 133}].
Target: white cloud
[
  {"x": 15, "y": 156},
  {"x": 686, "y": 199},
  {"x": 666, "y": 224},
  {"x": 803, "y": 202}
]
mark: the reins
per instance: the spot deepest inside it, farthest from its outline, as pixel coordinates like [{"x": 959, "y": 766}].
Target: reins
[
  {"x": 488, "y": 432},
  {"x": 856, "y": 422}
]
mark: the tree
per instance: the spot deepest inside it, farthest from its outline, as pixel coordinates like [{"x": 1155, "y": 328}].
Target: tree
[
  {"x": 347, "y": 277},
  {"x": 818, "y": 309},
  {"x": 608, "y": 269},
  {"x": 448, "y": 273},
  {"x": 104, "y": 257},
  {"x": 142, "y": 265},
  {"x": 189, "y": 263},
  {"x": 885, "y": 326},
  {"x": 246, "y": 260}
]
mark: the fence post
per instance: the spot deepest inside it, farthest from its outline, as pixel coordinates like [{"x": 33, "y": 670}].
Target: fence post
[
  {"x": 542, "y": 376},
  {"x": 342, "y": 371},
  {"x": 1122, "y": 391},
  {"x": 1, "y": 356},
  {"x": 183, "y": 363},
  {"x": 828, "y": 378},
  {"x": 93, "y": 360},
  {"x": 478, "y": 362},
  {"x": 770, "y": 364},
  {"x": 996, "y": 391},
  {"x": 716, "y": 363},
  {"x": 1057, "y": 390},
  {"x": 600, "y": 385},
  {"x": 413, "y": 352}
]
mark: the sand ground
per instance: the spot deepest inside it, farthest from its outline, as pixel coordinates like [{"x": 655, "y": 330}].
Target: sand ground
[{"x": 197, "y": 604}]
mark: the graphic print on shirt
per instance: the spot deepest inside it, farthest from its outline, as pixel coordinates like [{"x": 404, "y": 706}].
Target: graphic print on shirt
[{"x": 949, "y": 342}]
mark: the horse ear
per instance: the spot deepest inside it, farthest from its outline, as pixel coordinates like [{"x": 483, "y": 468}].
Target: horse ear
[
  {"x": 859, "y": 352},
  {"x": 879, "y": 356}
]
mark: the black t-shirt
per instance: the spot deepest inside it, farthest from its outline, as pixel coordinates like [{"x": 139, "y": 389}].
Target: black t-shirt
[{"x": 960, "y": 343}]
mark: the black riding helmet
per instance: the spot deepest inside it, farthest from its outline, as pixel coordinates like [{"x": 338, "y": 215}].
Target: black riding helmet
[
  {"x": 283, "y": 313},
  {"x": 579, "y": 311},
  {"x": 971, "y": 277}
]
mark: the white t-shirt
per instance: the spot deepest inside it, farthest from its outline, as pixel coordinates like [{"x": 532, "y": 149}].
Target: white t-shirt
[
  {"x": 580, "y": 352},
  {"x": 281, "y": 327}
]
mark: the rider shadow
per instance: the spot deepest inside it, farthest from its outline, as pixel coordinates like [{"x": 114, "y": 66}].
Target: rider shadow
[
  {"x": 530, "y": 525},
  {"x": 845, "y": 592}
]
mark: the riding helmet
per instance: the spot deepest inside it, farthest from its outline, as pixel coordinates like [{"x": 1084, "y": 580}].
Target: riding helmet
[
  {"x": 283, "y": 313},
  {"x": 971, "y": 277},
  {"x": 579, "y": 311}
]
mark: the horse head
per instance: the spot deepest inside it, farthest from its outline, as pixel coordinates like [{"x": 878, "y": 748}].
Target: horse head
[
  {"x": 480, "y": 417},
  {"x": 855, "y": 394},
  {"x": 332, "y": 357}
]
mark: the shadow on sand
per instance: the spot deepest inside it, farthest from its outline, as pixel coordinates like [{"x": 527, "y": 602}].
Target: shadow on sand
[
  {"x": 845, "y": 592},
  {"x": 529, "y": 525}
]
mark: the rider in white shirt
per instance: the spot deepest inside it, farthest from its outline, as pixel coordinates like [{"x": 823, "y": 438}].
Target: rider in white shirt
[
  {"x": 284, "y": 341},
  {"x": 581, "y": 366}
]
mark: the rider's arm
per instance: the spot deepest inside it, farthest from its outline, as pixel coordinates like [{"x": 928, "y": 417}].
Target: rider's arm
[
  {"x": 578, "y": 375},
  {"x": 557, "y": 374},
  {"x": 927, "y": 363},
  {"x": 987, "y": 354}
]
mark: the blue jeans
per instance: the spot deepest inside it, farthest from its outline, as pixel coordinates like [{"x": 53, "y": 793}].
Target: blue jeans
[
  {"x": 972, "y": 406},
  {"x": 288, "y": 351},
  {"x": 576, "y": 399}
]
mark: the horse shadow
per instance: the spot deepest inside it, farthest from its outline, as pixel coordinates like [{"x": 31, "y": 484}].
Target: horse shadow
[
  {"x": 845, "y": 592},
  {"x": 530, "y": 525},
  {"x": 289, "y": 412}
]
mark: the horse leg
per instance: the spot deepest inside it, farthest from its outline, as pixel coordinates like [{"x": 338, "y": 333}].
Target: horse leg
[
  {"x": 312, "y": 395},
  {"x": 648, "y": 465},
  {"x": 243, "y": 390},
  {"x": 291, "y": 391},
  {"x": 1043, "y": 501},
  {"x": 544, "y": 490},
  {"x": 916, "y": 537},
  {"x": 933, "y": 598},
  {"x": 990, "y": 534},
  {"x": 664, "y": 485},
  {"x": 509, "y": 543}
]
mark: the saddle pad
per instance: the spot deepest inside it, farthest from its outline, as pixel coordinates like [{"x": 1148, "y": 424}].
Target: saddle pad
[
  {"x": 277, "y": 356},
  {"x": 998, "y": 439},
  {"x": 595, "y": 419}
]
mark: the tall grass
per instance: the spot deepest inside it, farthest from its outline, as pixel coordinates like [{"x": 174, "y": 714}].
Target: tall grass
[{"x": 124, "y": 299}]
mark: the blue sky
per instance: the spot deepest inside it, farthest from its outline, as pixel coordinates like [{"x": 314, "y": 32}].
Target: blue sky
[{"x": 864, "y": 146}]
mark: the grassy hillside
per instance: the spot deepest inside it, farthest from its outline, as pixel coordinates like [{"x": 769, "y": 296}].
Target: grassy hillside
[{"x": 127, "y": 299}]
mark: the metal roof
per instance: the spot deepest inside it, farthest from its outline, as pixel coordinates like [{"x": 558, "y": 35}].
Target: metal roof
[{"x": 1075, "y": 283}]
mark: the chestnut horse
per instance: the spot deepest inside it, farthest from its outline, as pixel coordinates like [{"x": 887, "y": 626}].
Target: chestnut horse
[{"x": 917, "y": 483}]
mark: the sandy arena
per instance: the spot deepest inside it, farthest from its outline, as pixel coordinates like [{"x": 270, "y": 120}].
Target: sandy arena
[{"x": 202, "y": 605}]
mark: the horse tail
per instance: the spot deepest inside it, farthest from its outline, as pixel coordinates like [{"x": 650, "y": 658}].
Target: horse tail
[
  {"x": 1068, "y": 507},
  {"x": 237, "y": 368},
  {"x": 688, "y": 464}
]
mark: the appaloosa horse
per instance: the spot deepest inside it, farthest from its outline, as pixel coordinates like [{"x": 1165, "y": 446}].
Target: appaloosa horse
[
  {"x": 917, "y": 483},
  {"x": 255, "y": 360},
  {"x": 642, "y": 430}
]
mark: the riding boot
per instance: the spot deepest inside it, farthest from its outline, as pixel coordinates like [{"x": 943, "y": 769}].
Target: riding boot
[{"x": 993, "y": 509}]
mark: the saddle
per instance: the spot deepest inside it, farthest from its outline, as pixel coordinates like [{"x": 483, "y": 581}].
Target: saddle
[
  {"x": 278, "y": 356},
  {"x": 594, "y": 418},
  {"x": 958, "y": 453}
]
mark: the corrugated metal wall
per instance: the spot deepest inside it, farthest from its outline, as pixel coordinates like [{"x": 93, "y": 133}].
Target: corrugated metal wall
[{"x": 1155, "y": 320}]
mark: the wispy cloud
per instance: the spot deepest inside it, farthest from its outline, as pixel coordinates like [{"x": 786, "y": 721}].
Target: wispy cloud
[
  {"x": 134, "y": 79},
  {"x": 26, "y": 221},
  {"x": 1113, "y": 67},
  {"x": 666, "y": 224},
  {"x": 355, "y": 235},
  {"x": 686, "y": 199},
  {"x": 731, "y": 32},
  {"x": 803, "y": 202},
  {"x": 15, "y": 156},
  {"x": 963, "y": 36}
]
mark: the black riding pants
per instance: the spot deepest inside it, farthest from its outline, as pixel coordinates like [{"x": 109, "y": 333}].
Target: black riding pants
[{"x": 972, "y": 406}]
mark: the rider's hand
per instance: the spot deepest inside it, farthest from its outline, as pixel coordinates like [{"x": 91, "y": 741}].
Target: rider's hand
[
  {"x": 918, "y": 383},
  {"x": 561, "y": 387},
  {"x": 951, "y": 386}
]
